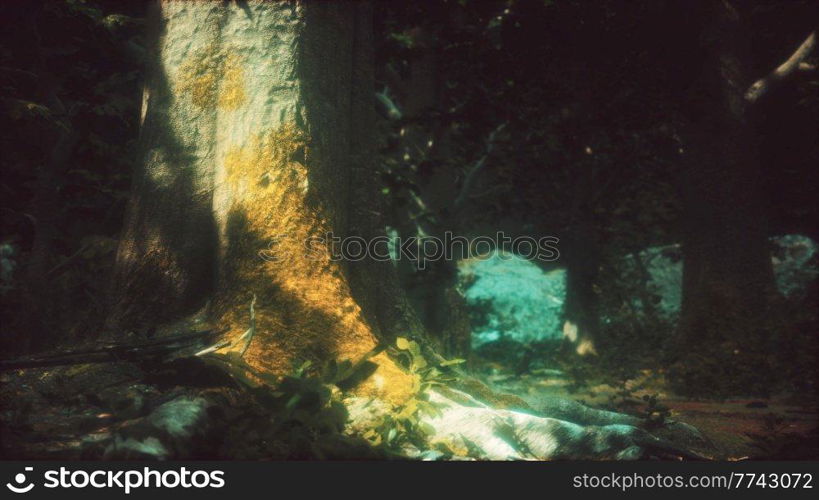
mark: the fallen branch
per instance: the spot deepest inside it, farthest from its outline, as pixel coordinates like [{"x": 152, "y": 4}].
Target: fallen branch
[{"x": 167, "y": 348}]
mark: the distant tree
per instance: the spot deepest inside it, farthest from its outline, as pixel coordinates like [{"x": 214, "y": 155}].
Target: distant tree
[{"x": 728, "y": 282}]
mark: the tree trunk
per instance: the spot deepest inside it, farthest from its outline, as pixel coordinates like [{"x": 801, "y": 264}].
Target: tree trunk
[
  {"x": 256, "y": 143},
  {"x": 424, "y": 140},
  {"x": 728, "y": 277},
  {"x": 580, "y": 252},
  {"x": 581, "y": 309}
]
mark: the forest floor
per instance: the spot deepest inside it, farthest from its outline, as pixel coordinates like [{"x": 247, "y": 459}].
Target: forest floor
[
  {"x": 739, "y": 429},
  {"x": 53, "y": 413}
]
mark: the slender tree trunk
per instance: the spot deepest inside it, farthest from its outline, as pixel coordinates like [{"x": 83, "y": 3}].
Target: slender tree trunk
[
  {"x": 581, "y": 309},
  {"x": 256, "y": 144},
  {"x": 440, "y": 305},
  {"x": 728, "y": 278},
  {"x": 580, "y": 252}
]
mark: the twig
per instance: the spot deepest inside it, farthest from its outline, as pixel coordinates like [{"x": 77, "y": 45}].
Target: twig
[
  {"x": 390, "y": 107},
  {"x": 476, "y": 169},
  {"x": 68, "y": 259},
  {"x": 246, "y": 337}
]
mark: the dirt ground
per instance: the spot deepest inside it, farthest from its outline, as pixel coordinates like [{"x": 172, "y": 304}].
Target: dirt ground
[
  {"x": 57, "y": 412},
  {"x": 739, "y": 429}
]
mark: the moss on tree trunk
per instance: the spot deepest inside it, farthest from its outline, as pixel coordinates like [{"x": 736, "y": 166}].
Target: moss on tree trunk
[{"x": 256, "y": 144}]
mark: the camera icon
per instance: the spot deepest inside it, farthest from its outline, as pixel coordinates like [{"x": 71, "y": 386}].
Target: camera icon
[{"x": 20, "y": 478}]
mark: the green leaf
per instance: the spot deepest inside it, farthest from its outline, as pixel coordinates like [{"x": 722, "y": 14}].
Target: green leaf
[
  {"x": 293, "y": 401},
  {"x": 415, "y": 349},
  {"x": 426, "y": 428},
  {"x": 452, "y": 362}
]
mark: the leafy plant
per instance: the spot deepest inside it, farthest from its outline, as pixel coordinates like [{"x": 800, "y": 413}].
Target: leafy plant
[
  {"x": 774, "y": 438},
  {"x": 299, "y": 415},
  {"x": 655, "y": 414},
  {"x": 405, "y": 426}
]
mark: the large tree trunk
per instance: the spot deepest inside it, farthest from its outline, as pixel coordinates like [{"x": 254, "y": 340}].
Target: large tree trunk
[
  {"x": 256, "y": 140},
  {"x": 728, "y": 278}
]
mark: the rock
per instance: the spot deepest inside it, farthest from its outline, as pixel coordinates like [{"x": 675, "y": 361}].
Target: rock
[
  {"x": 171, "y": 430},
  {"x": 474, "y": 430},
  {"x": 494, "y": 434},
  {"x": 519, "y": 301},
  {"x": 364, "y": 413},
  {"x": 122, "y": 448},
  {"x": 179, "y": 418},
  {"x": 128, "y": 402},
  {"x": 514, "y": 302}
]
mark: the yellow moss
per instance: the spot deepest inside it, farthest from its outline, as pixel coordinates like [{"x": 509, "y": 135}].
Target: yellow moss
[
  {"x": 480, "y": 391},
  {"x": 232, "y": 94},
  {"x": 212, "y": 78},
  {"x": 304, "y": 309}
]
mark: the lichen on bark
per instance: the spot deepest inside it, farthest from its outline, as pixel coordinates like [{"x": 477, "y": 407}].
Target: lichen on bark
[{"x": 212, "y": 77}]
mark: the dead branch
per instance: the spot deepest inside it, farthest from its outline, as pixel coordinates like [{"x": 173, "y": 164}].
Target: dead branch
[
  {"x": 167, "y": 348},
  {"x": 781, "y": 73},
  {"x": 479, "y": 165}
]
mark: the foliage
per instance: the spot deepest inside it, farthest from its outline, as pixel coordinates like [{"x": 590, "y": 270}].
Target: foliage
[
  {"x": 404, "y": 427},
  {"x": 300, "y": 415},
  {"x": 775, "y": 442},
  {"x": 305, "y": 409},
  {"x": 655, "y": 413},
  {"x": 67, "y": 69}
]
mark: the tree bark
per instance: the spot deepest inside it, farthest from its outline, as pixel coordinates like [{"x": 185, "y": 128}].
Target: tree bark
[
  {"x": 256, "y": 144},
  {"x": 581, "y": 309},
  {"x": 433, "y": 291},
  {"x": 728, "y": 277}
]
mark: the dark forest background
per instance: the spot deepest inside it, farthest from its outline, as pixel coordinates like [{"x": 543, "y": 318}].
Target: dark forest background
[{"x": 553, "y": 117}]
